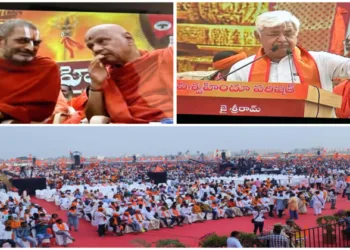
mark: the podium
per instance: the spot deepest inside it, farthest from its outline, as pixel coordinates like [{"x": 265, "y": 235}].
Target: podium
[{"x": 198, "y": 97}]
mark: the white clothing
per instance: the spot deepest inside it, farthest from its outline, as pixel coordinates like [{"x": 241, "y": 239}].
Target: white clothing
[
  {"x": 319, "y": 180},
  {"x": 33, "y": 210},
  {"x": 6, "y": 235},
  {"x": 55, "y": 227},
  {"x": 329, "y": 65},
  {"x": 148, "y": 215},
  {"x": 318, "y": 203},
  {"x": 259, "y": 218},
  {"x": 100, "y": 218},
  {"x": 187, "y": 212},
  {"x": 233, "y": 242},
  {"x": 141, "y": 221}
]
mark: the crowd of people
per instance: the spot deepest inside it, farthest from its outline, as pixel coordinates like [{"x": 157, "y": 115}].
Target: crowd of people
[
  {"x": 151, "y": 206},
  {"x": 135, "y": 203},
  {"x": 25, "y": 224}
]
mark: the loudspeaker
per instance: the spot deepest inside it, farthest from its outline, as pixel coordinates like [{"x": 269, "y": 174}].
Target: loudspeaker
[
  {"x": 318, "y": 152},
  {"x": 76, "y": 160},
  {"x": 223, "y": 156},
  {"x": 34, "y": 160},
  {"x": 134, "y": 158}
]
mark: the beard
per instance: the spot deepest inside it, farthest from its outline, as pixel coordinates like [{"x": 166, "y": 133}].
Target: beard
[{"x": 18, "y": 57}]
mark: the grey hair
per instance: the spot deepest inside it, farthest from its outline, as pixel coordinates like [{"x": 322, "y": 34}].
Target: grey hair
[
  {"x": 275, "y": 18},
  {"x": 8, "y": 26}
]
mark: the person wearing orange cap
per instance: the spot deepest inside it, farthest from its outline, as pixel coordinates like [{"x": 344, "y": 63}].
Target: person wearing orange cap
[
  {"x": 141, "y": 220},
  {"x": 127, "y": 221},
  {"x": 223, "y": 61},
  {"x": 61, "y": 228},
  {"x": 116, "y": 223}
]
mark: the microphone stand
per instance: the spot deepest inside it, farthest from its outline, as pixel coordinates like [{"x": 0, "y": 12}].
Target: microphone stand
[
  {"x": 274, "y": 48},
  {"x": 290, "y": 54}
]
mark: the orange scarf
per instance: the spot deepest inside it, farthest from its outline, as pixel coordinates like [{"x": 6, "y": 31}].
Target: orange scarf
[
  {"x": 138, "y": 218},
  {"x": 115, "y": 221},
  {"x": 15, "y": 224},
  {"x": 163, "y": 214},
  {"x": 175, "y": 212},
  {"x": 196, "y": 209},
  {"x": 305, "y": 65},
  {"x": 129, "y": 218},
  {"x": 61, "y": 227},
  {"x": 216, "y": 206}
]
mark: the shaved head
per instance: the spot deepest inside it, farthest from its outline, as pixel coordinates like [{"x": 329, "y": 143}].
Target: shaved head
[
  {"x": 112, "y": 28},
  {"x": 112, "y": 41}
]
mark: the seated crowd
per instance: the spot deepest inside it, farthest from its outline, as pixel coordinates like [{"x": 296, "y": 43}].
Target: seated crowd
[
  {"x": 123, "y": 209},
  {"x": 25, "y": 224}
]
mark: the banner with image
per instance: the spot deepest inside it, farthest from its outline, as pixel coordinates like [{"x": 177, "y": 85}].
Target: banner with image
[{"x": 63, "y": 36}]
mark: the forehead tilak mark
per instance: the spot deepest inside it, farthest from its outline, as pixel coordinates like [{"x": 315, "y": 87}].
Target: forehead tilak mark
[
  {"x": 37, "y": 35},
  {"x": 27, "y": 32}
]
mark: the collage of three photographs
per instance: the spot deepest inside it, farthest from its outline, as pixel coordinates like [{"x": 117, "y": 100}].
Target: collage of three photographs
[{"x": 175, "y": 124}]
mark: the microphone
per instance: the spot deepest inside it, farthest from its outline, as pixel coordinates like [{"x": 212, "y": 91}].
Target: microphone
[
  {"x": 274, "y": 48},
  {"x": 290, "y": 54}
]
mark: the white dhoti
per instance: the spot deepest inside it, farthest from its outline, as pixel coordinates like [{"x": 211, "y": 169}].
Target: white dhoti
[
  {"x": 189, "y": 218},
  {"x": 237, "y": 211},
  {"x": 317, "y": 208},
  {"x": 155, "y": 224},
  {"x": 198, "y": 216},
  {"x": 144, "y": 224}
]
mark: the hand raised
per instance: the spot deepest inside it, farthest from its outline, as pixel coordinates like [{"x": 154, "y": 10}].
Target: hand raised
[{"x": 97, "y": 71}]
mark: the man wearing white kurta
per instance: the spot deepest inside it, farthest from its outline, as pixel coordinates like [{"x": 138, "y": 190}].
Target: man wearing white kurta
[
  {"x": 280, "y": 29},
  {"x": 318, "y": 202},
  {"x": 141, "y": 220},
  {"x": 187, "y": 213},
  {"x": 149, "y": 214}
]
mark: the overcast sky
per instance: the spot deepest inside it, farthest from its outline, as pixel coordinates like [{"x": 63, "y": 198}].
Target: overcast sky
[{"x": 116, "y": 141}]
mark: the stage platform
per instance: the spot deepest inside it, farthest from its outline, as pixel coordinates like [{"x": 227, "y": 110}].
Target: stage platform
[{"x": 29, "y": 184}]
